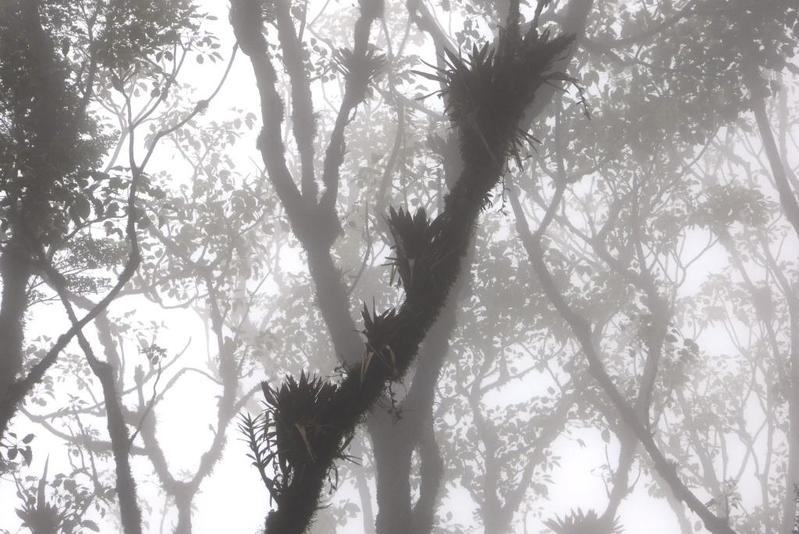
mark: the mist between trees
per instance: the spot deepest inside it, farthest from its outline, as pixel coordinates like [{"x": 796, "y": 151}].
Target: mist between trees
[{"x": 399, "y": 267}]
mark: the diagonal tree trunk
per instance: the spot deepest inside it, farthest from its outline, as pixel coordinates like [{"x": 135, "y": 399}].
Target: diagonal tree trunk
[
  {"x": 402, "y": 437},
  {"x": 581, "y": 328},
  {"x": 396, "y": 334}
]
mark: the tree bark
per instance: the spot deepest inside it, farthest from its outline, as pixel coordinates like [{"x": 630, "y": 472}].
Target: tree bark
[
  {"x": 183, "y": 501},
  {"x": 757, "y": 102},
  {"x": 405, "y": 435},
  {"x": 392, "y": 454},
  {"x": 130, "y": 513},
  {"x": 40, "y": 126},
  {"x": 400, "y": 331},
  {"x": 792, "y": 473},
  {"x": 15, "y": 272},
  {"x": 790, "y": 207}
]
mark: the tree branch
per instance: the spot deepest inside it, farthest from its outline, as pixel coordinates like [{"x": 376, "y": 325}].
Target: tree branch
[{"x": 582, "y": 331}]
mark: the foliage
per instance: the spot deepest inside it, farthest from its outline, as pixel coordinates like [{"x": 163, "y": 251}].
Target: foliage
[
  {"x": 668, "y": 241},
  {"x": 294, "y": 419},
  {"x": 579, "y": 522}
]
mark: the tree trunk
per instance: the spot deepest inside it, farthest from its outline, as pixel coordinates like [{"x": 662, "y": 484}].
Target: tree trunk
[
  {"x": 183, "y": 504},
  {"x": 790, "y": 208},
  {"x": 679, "y": 512},
  {"x": 362, "y": 483},
  {"x": 120, "y": 444},
  {"x": 39, "y": 126},
  {"x": 792, "y": 473},
  {"x": 15, "y": 271},
  {"x": 392, "y": 453},
  {"x": 406, "y": 434},
  {"x": 757, "y": 102}
]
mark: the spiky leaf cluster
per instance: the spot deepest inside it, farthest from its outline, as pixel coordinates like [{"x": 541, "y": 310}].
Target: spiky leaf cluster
[
  {"x": 488, "y": 95},
  {"x": 487, "y": 91},
  {"x": 40, "y": 517},
  {"x": 288, "y": 435},
  {"x": 579, "y": 522},
  {"x": 414, "y": 247},
  {"x": 360, "y": 70},
  {"x": 379, "y": 329},
  {"x": 295, "y": 410}
]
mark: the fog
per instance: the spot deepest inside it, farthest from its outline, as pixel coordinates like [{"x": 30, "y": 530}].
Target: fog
[{"x": 399, "y": 267}]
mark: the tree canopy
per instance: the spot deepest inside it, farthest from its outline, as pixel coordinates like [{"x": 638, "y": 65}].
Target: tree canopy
[{"x": 392, "y": 267}]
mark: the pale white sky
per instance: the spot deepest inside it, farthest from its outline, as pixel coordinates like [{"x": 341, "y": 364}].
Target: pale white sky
[{"x": 232, "y": 499}]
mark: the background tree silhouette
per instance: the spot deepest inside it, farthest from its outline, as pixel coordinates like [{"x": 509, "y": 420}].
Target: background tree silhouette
[{"x": 136, "y": 221}]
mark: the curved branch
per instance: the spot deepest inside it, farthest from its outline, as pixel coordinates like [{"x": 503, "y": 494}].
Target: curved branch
[{"x": 628, "y": 413}]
